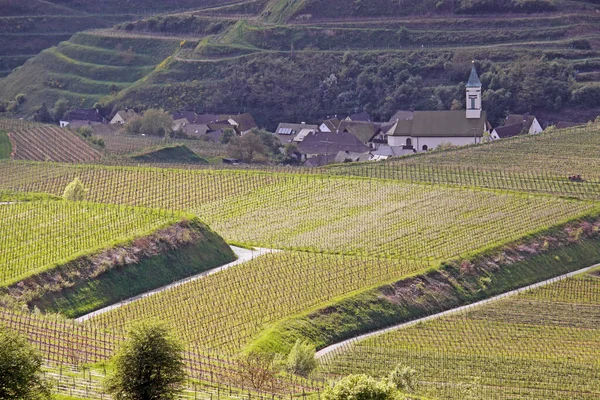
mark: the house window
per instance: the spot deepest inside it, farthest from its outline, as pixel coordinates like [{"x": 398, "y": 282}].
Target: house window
[
  {"x": 425, "y": 147},
  {"x": 472, "y": 102},
  {"x": 409, "y": 142}
]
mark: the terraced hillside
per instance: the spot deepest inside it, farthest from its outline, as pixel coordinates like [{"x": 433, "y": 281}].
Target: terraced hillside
[
  {"x": 375, "y": 55},
  {"x": 50, "y": 143},
  {"x": 29, "y": 26},
  {"x": 540, "y": 344}
]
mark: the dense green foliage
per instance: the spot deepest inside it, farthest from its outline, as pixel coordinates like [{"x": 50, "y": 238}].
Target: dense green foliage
[
  {"x": 148, "y": 366},
  {"x": 20, "y": 369}
]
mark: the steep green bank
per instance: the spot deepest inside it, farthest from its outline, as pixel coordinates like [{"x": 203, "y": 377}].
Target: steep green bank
[
  {"x": 5, "y": 146},
  {"x": 169, "y": 154},
  {"x": 90, "y": 283},
  {"x": 454, "y": 283}
]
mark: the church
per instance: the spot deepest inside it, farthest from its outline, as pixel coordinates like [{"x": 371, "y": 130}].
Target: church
[{"x": 426, "y": 130}]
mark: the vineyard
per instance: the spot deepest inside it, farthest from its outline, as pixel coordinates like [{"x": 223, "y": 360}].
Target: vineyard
[
  {"x": 37, "y": 236},
  {"x": 539, "y": 164},
  {"x": 542, "y": 344},
  {"x": 348, "y": 249},
  {"x": 313, "y": 212},
  {"x": 221, "y": 316},
  {"x": 50, "y": 143}
]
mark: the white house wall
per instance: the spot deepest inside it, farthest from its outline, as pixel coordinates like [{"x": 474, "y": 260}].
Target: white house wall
[
  {"x": 431, "y": 142},
  {"x": 535, "y": 127}
]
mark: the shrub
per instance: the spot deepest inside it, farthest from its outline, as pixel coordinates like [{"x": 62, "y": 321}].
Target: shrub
[
  {"x": 301, "y": 359},
  {"x": 404, "y": 378},
  {"x": 359, "y": 387},
  {"x": 75, "y": 191},
  {"x": 20, "y": 98}
]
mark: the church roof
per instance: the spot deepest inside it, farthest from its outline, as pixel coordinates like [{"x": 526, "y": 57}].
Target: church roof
[
  {"x": 440, "y": 124},
  {"x": 474, "y": 78}
]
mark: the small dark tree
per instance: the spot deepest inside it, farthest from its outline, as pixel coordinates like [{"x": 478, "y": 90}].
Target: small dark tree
[
  {"x": 42, "y": 114},
  {"x": 149, "y": 365},
  {"x": 228, "y": 134},
  {"x": 20, "y": 369},
  {"x": 60, "y": 108}
]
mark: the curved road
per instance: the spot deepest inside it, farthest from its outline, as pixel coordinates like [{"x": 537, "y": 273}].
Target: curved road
[
  {"x": 243, "y": 255},
  {"x": 340, "y": 345}
]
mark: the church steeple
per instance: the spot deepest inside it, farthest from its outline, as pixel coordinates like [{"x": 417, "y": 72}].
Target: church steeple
[{"x": 474, "y": 95}]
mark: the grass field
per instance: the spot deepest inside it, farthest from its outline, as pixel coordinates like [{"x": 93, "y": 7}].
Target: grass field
[
  {"x": 37, "y": 236},
  {"x": 541, "y": 344}
]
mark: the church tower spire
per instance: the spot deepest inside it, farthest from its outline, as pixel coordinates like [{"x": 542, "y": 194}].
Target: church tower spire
[{"x": 473, "y": 95}]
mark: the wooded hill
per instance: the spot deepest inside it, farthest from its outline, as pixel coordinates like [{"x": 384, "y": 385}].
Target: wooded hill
[{"x": 305, "y": 60}]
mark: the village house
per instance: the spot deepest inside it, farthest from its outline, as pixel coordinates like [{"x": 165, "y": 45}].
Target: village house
[
  {"x": 330, "y": 143},
  {"x": 88, "y": 115},
  {"x": 426, "y": 130},
  {"x": 123, "y": 116},
  {"x": 360, "y": 117},
  {"x": 294, "y": 133},
  {"x": 365, "y": 131},
  {"x": 515, "y": 125}
]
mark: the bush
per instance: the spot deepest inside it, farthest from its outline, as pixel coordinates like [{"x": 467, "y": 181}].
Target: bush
[
  {"x": 359, "y": 387},
  {"x": 149, "y": 365},
  {"x": 20, "y": 98},
  {"x": 20, "y": 369},
  {"x": 75, "y": 191},
  {"x": 404, "y": 378},
  {"x": 301, "y": 360}
]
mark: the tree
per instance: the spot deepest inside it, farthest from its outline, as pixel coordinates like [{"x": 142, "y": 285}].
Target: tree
[
  {"x": 156, "y": 123},
  {"x": 20, "y": 369},
  {"x": 133, "y": 126},
  {"x": 248, "y": 148},
  {"x": 42, "y": 114},
  {"x": 228, "y": 134},
  {"x": 301, "y": 359},
  {"x": 75, "y": 191},
  {"x": 404, "y": 378},
  {"x": 359, "y": 387},
  {"x": 259, "y": 369},
  {"x": 148, "y": 366},
  {"x": 60, "y": 108}
]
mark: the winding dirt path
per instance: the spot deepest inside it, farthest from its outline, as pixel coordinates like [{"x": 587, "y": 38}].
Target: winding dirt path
[
  {"x": 341, "y": 345},
  {"x": 243, "y": 255}
]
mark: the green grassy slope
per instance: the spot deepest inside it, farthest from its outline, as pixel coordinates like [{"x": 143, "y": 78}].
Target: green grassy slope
[
  {"x": 450, "y": 286},
  {"x": 178, "y": 153},
  {"x": 207, "y": 252}
]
